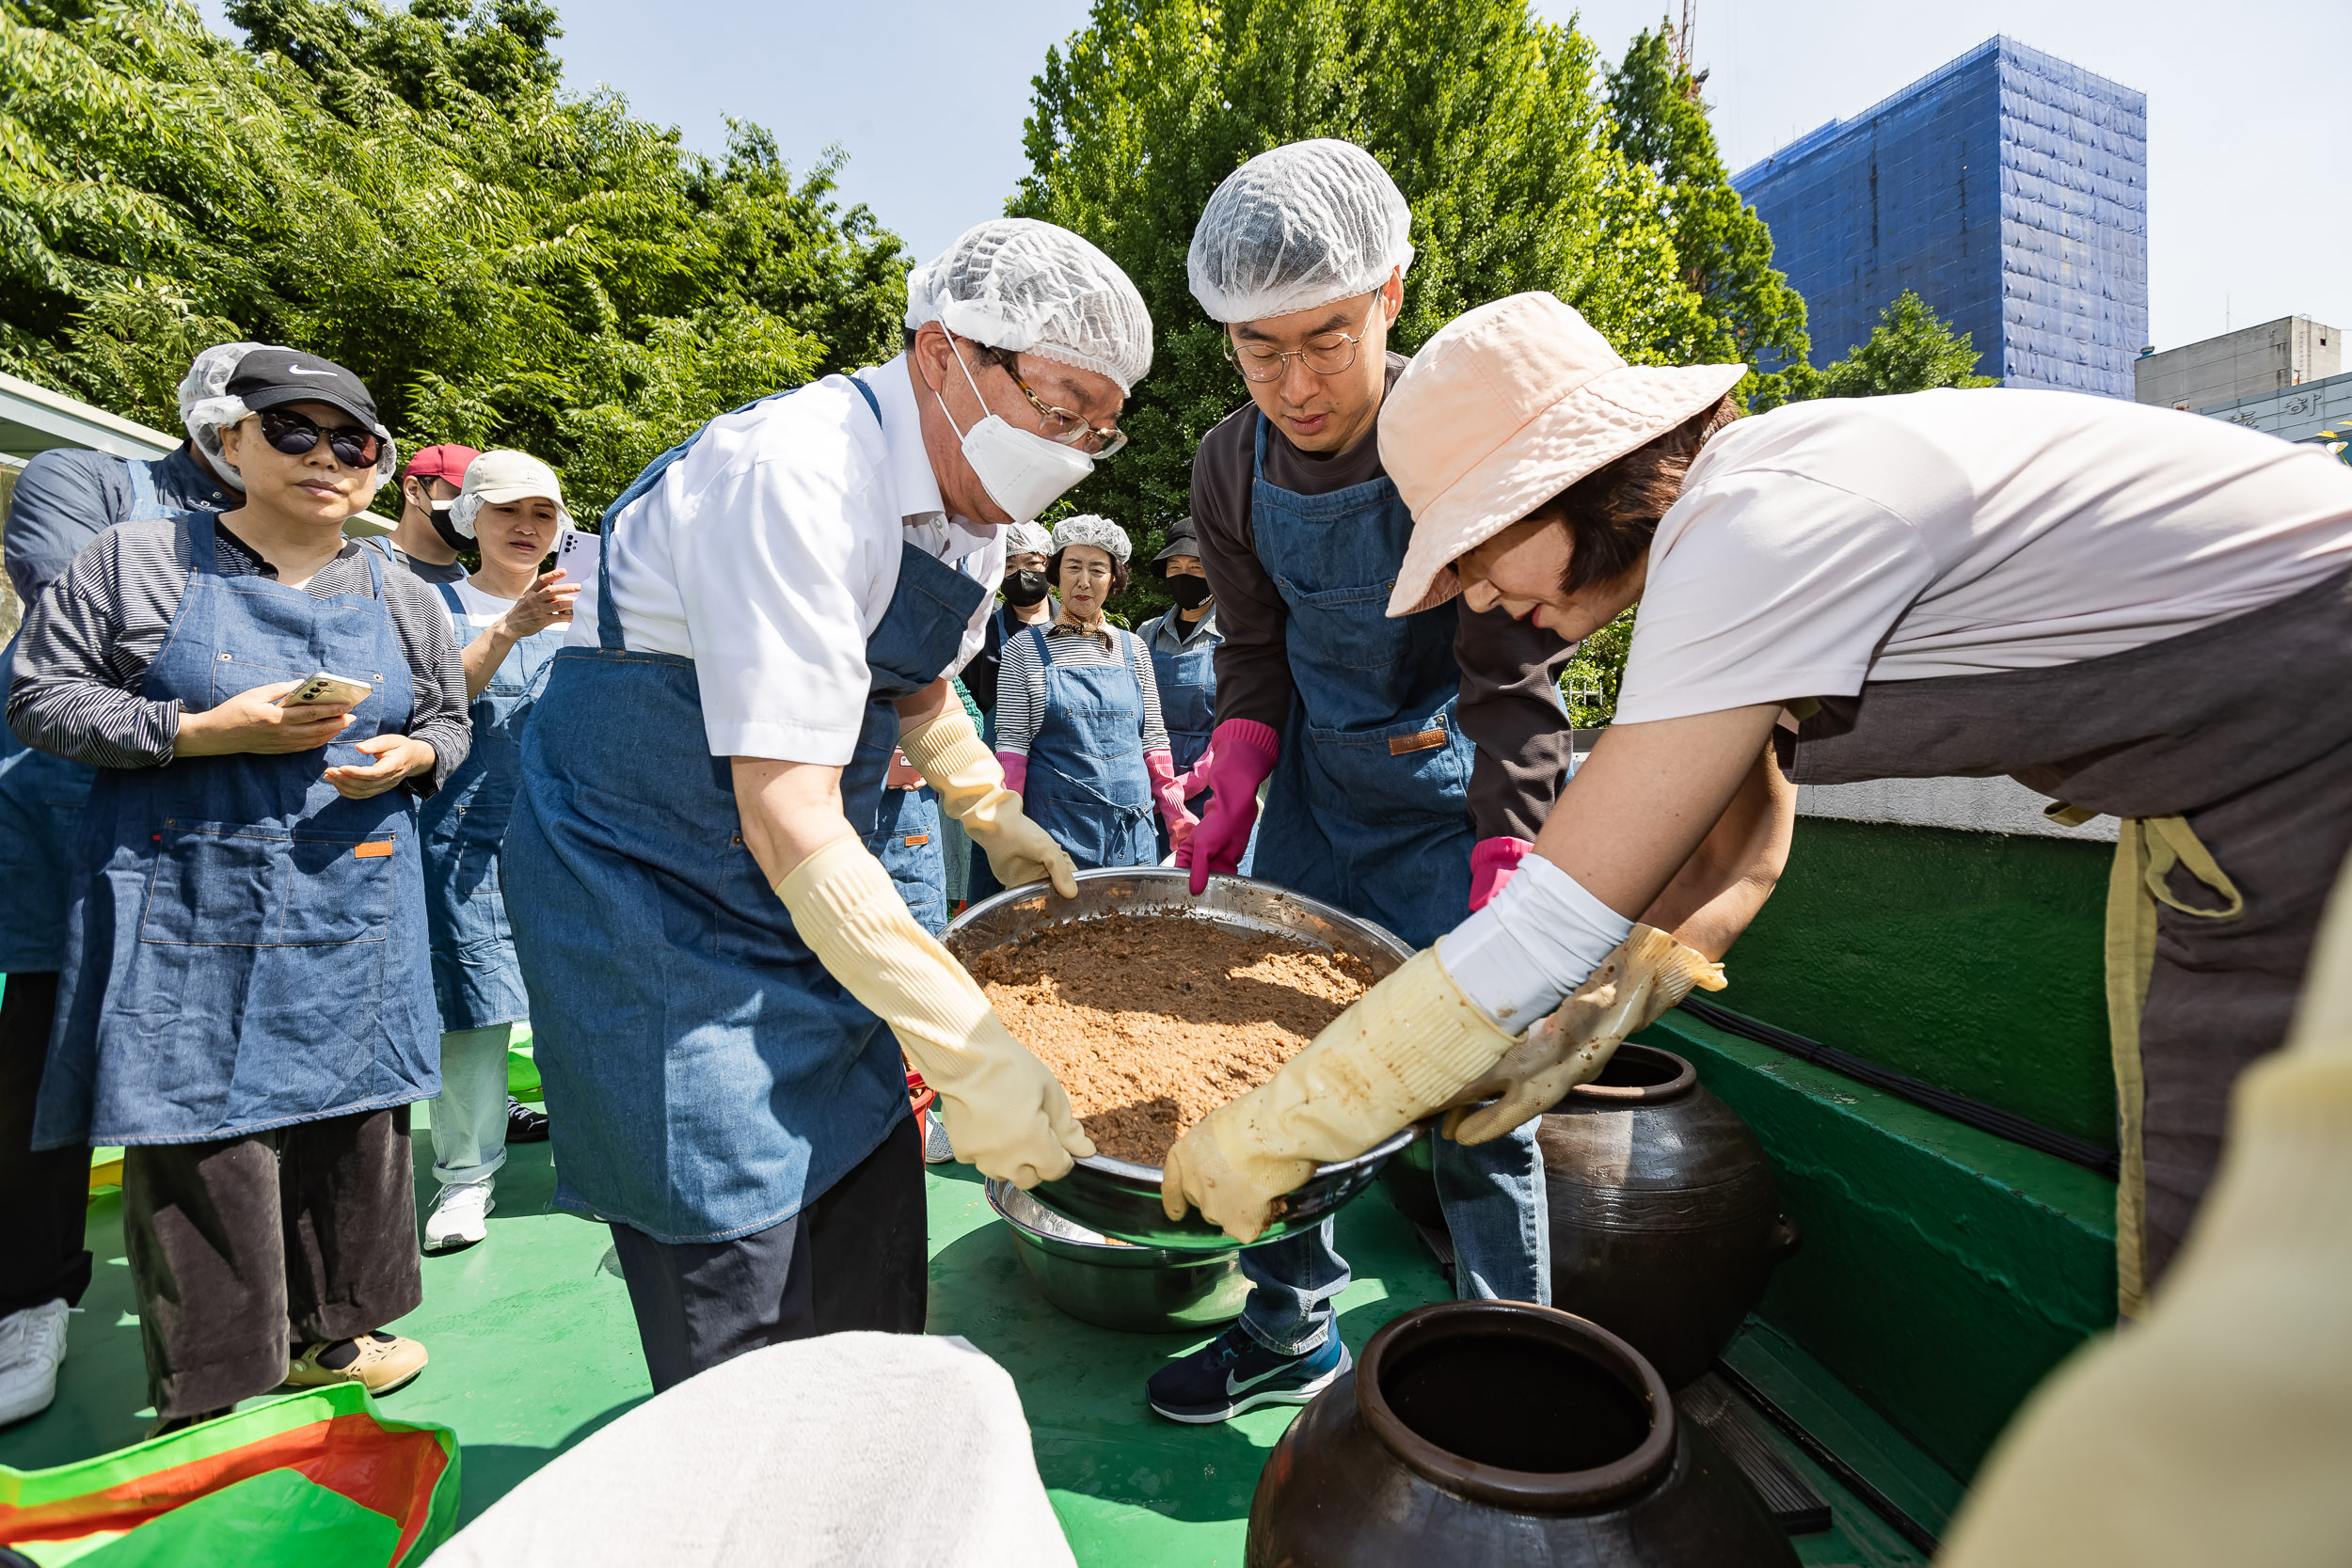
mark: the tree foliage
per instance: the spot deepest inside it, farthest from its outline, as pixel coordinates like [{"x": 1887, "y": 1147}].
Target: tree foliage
[
  {"x": 410, "y": 193},
  {"x": 1911, "y": 350},
  {"x": 1720, "y": 241},
  {"x": 1491, "y": 119}
]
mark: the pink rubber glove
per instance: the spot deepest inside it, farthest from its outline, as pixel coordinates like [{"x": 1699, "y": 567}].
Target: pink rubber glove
[
  {"x": 1196, "y": 779},
  {"x": 1241, "y": 754},
  {"x": 1016, "y": 766},
  {"x": 1493, "y": 864},
  {"x": 1161, "y": 764}
]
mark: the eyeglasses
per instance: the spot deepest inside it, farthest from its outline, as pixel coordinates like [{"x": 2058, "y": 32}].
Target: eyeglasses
[
  {"x": 292, "y": 434},
  {"x": 1325, "y": 353},
  {"x": 1061, "y": 424}
]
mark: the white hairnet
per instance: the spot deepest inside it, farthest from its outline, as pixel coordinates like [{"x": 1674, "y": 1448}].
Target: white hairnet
[
  {"x": 1032, "y": 288},
  {"x": 207, "y": 410},
  {"x": 1025, "y": 538},
  {"x": 1296, "y": 227},
  {"x": 1101, "y": 533},
  {"x": 465, "y": 507}
]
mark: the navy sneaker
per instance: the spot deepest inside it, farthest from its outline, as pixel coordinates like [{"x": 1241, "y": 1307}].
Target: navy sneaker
[{"x": 1234, "y": 1372}]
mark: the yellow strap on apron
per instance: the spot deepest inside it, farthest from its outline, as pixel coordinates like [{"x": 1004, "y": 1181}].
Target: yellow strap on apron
[{"x": 2145, "y": 850}]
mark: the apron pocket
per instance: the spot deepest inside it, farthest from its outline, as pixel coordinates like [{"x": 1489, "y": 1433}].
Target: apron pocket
[
  {"x": 1414, "y": 767},
  {"x": 1348, "y": 628},
  {"x": 226, "y": 885}
]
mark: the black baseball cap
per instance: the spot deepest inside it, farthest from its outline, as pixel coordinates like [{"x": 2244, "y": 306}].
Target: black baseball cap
[
  {"x": 1180, "y": 541},
  {"x": 270, "y": 376}
]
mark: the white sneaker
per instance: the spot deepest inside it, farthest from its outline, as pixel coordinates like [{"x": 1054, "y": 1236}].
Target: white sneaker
[
  {"x": 460, "y": 1217},
  {"x": 32, "y": 1343}
]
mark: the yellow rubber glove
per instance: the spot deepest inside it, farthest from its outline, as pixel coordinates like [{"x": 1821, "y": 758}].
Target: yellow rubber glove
[
  {"x": 2218, "y": 1429},
  {"x": 1643, "y": 976},
  {"x": 1405, "y": 1048},
  {"x": 970, "y": 783},
  {"x": 1005, "y": 1111}
]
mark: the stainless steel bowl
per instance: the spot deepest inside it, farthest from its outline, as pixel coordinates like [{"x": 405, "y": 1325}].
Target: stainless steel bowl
[
  {"x": 1117, "y": 1198},
  {"x": 1140, "y": 1290}
]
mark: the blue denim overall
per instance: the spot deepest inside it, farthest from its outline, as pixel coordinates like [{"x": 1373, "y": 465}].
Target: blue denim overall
[
  {"x": 476, "y": 982},
  {"x": 706, "y": 1076},
  {"x": 245, "y": 948},
  {"x": 1367, "y": 808},
  {"x": 41, "y": 805},
  {"x": 1087, "y": 785},
  {"x": 1187, "y": 683}
]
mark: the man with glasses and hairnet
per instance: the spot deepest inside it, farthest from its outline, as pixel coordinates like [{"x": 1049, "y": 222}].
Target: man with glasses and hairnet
[
  {"x": 64, "y": 499},
  {"x": 1408, "y": 763},
  {"x": 712, "y": 952}
]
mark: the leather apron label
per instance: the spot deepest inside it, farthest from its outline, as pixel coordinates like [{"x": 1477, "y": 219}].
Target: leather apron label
[
  {"x": 1427, "y": 740},
  {"x": 375, "y": 849}
]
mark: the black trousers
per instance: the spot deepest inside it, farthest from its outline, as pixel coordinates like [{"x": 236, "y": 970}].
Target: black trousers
[
  {"x": 856, "y": 1259},
  {"x": 44, "y": 1195},
  {"x": 243, "y": 1247}
]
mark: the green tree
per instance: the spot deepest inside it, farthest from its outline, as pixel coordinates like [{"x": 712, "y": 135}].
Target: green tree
[
  {"x": 410, "y": 193},
  {"x": 1491, "y": 119},
  {"x": 1911, "y": 350},
  {"x": 1724, "y": 249}
]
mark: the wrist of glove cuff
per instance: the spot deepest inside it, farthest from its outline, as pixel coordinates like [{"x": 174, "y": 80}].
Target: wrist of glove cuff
[
  {"x": 1536, "y": 941},
  {"x": 953, "y": 760}
]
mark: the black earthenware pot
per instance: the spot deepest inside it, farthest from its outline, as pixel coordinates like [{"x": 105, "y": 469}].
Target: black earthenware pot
[
  {"x": 1664, "y": 1223},
  {"x": 1499, "y": 1432}
]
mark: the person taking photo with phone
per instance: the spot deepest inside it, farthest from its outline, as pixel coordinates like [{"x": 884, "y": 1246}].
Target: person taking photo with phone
[
  {"x": 511, "y": 617},
  {"x": 246, "y": 1000}
]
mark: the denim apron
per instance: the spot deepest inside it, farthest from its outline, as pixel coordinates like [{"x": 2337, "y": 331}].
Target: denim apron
[
  {"x": 1087, "y": 785},
  {"x": 476, "y": 982},
  {"x": 1187, "y": 683},
  {"x": 40, "y": 806},
  {"x": 245, "y": 948},
  {"x": 1368, "y": 806},
  {"x": 906, "y": 839},
  {"x": 706, "y": 1075}
]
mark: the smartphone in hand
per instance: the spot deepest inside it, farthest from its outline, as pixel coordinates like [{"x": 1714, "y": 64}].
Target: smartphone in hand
[{"x": 330, "y": 689}]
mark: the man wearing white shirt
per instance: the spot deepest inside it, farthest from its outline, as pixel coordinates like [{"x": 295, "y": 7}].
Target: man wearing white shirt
[{"x": 781, "y": 597}]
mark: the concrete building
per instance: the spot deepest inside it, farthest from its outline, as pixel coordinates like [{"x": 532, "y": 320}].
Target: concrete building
[
  {"x": 2252, "y": 363},
  {"x": 2294, "y": 413},
  {"x": 2007, "y": 188}
]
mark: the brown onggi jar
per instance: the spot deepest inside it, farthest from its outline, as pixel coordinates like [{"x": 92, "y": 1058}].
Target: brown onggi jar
[{"x": 1497, "y": 1432}]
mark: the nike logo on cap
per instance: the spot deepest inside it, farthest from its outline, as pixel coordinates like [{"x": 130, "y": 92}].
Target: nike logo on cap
[{"x": 298, "y": 370}]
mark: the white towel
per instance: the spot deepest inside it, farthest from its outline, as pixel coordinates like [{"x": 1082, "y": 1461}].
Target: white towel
[{"x": 849, "y": 1451}]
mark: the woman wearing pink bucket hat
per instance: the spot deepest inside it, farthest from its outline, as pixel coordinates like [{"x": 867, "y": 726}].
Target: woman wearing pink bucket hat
[{"x": 2123, "y": 606}]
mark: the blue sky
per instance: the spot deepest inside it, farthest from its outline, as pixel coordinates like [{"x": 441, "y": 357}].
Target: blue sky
[{"x": 2248, "y": 213}]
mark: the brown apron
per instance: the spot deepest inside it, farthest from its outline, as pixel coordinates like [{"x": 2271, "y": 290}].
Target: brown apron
[{"x": 2228, "y": 752}]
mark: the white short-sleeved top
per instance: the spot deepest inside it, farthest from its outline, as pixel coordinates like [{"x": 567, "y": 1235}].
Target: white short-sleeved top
[
  {"x": 768, "y": 553},
  {"x": 1827, "y": 543}
]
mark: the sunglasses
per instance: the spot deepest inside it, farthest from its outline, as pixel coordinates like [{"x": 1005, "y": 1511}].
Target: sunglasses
[{"x": 292, "y": 434}]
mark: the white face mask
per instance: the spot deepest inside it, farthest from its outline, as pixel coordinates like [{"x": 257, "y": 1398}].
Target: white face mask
[{"x": 1022, "y": 471}]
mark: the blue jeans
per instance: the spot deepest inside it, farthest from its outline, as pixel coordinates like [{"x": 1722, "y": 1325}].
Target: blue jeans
[{"x": 1493, "y": 1198}]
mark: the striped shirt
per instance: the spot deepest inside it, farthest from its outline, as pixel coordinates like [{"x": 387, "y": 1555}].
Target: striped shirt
[
  {"x": 87, "y": 647},
  {"x": 1021, "y": 681}
]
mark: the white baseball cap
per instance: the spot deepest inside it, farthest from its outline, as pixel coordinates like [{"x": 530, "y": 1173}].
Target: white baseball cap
[{"x": 501, "y": 476}]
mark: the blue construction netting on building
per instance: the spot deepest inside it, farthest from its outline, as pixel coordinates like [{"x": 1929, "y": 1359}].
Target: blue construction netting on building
[{"x": 2007, "y": 188}]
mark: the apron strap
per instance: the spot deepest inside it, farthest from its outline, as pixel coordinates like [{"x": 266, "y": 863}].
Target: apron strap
[
  {"x": 2145, "y": 850},
  {"x": 608, "y": 618},
  {"x": 449, "y": 597},
  {"x": 1045, "y": 650},
  {"x": 1257, "y": 457}
]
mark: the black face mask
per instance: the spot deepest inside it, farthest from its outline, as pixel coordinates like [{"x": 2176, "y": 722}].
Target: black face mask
[
  {"x": 1188, "y": 593},
  {"x": 1023, "y": 589},
  {"x": 450, "y": 535}
]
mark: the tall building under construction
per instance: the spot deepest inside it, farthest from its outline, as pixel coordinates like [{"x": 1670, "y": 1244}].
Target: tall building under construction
[{"x": 2008, "y": 189}]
